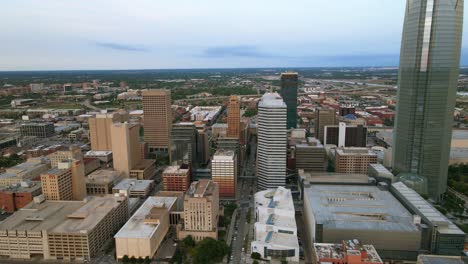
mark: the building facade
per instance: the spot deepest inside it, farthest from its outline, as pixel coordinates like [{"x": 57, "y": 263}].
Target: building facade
[
  {"x": 272, "y": 142},
  {"x": 40, "y": 130},
  {"x": 125, "y": 147},
  {"x": 323, "y": 117},
  {"x": 201, "y": 211},
  {"x": 99, "y": 132},
  {"x": 345, "y": 136},
  {"x": 354, "y": 160},
  {"x": 157, "y": 119},
  {"x": 289, "y": 85},
  {"x": 233, "y": 117},
  {"x": 428, "y": 76},
  {"x": 224, "y": 172},
  {"x": 176, "y": 178},
  {"x": 183, "y": 144}
]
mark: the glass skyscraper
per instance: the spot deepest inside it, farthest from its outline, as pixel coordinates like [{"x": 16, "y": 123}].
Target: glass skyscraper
[
  {"x": 429, "y": 68},
  {"x": 289, "y": 83}
]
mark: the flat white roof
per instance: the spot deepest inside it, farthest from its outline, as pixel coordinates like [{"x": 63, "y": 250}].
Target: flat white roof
[
  {"x": 272, "y": 100},
  {"x": 136, "y": 227}
]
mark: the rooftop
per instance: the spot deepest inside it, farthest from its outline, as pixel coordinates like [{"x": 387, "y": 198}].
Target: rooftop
[
  {"x": 358, "y": 207},
  {"x": 354, "y": 151},
  {"x": 426, "y": 210},
  {"x": 433, "y": 259},
  {"x": 339, "y": 251},
  {"x": 143, "y": 164},
  {"x": 98, "y": 153},
  {"x": 102, "y": 176},
  {"x": 279, "y": 198},
  {"x": 133, "y": 185},
  {"x": 272, "y": 100},
  {"x": 136, "y": 226},
  {"x": 223, "y": 154},
  {"x": 62, "y": 216},
  {"x": 175, "y": 170},
  {"x": 333, "y": 177},
  {"x": 201, "y": 188}
]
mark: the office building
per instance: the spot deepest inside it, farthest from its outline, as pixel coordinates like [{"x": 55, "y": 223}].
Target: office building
[
  {"x": 289, "y": 84},
  {"x": 347, "y": 110},
  {"x": 125, "y": 147},
  {"x": 344, "y": 135},
  {"x": 183, "y": 144},
  {"x": 272, "y": 142},
  {"x": 144, "y": 170},
  {"x": 434, "y": 259},
  {"x": 16, "y": 197},
  {"x": 201, "y": 211},
  {"x": 442, "y": 236},
  {"x": 233, "y": 117},
  {"x": 334, "y": 213},
  {"x": 176, "y": 178},
  {"x": 275, "y": 230},
  {"x": 134, "y": 188},
  {"x": 157, "y": 119},
  {"x": 40, "y": 130},
  {"x": 203, "y": 143},
  {"x": 224, "y": 172},
  {"x": 354, "y": 160},
  {"x": 349, "y": 251},
  {"x": 67, "y": 182},
  {"x": 104, "y": 157},
  {"x": 144, "y": 232},
  {"x": 100, "y": 130},
  {"x": 62, "y": 230},
  {"x": 26, "y": 171},
  {"x": 323, "y": 117},
  {"x": 427, "y": 81},
  {"x": 219, "y": 130},
  {"x": 73, "y": 153},
  {"x": 101, "y": 182},
  {"x": 309, "y": 154}
]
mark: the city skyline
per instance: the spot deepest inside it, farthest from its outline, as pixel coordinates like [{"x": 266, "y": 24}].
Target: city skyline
[{"x": 51, "y": 35}]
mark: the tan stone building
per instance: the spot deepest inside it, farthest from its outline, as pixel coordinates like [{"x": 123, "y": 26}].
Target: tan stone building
[
  {"x": 74, "y": 152},
  {"x": 100, "y": 129},
  {"x": 323, "y": 117},
  {"x": 354, "y": 160},
  {"x": 101, "y": 182},
  {"x": 26, "y": 171},
  {"x": 176, "y": 178},
  {"x": 67, "y": 182},
  {"x": 142, "y": 235},
  {"x": 233, "y": 117},
  {"x": 157, "y": 119},
  {"x": 144, "y": 170},
  {"x": 201, "y": 211},
  {"x": 65, "y": 230},
  {"x": 125, "y": 147}
]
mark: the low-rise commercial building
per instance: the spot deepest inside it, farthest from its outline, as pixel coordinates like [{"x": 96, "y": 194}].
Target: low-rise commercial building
[
  {"x": 40, "y": 130},
  {"x": 275, "y": 227},
  {"x": 73, "y": 152},
  {"x": 201, "y": 211},
  {"x": 142, "y": 235},
  {"x": 144, "y": 170},
  {"x": 349, "y": 251},
  {"x": 105, "y": 157},
  {"x": 26, "y": 171},
  {"x": 309, "y": 154},
  {"x": 435, "y": 259},
  {"x": 373, "y": 216},
  {"x": 101, "y": 182},
  {"x": 379, "y": 172},
  {"x": 442, "y": 237},
  {"x": 354, "y": 160},
  {"x": 16, "y": 197},
  {"x": 176, "y": 178},
  {"x": 62, "y": 230},
  {"x": 134, "y": 187}
]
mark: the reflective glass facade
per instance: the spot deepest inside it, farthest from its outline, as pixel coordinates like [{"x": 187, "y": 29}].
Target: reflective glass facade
[
  {"x": 429, "y": 68},
  {"x": 289, "y": 83}
]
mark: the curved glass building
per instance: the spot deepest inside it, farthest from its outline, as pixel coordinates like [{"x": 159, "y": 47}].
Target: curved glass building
[{"x": 429, "y": 68}]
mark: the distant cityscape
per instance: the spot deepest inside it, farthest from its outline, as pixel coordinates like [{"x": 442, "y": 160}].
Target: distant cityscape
[{"x": 294, "y": 165}]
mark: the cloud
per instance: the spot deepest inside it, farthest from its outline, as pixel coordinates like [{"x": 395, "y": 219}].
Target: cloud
[
  {"x": 122, "y": 47},
  {"x": 234, "y": 51}
]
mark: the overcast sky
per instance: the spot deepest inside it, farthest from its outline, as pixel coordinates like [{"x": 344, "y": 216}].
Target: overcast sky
[{"x": 153, "y": 34}]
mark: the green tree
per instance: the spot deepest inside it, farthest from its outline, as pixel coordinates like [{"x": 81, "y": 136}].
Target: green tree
[
  {"x": 209, "y": 251},
  {"x": 133, "y": 259},
  {"x": 255, "y": 255},
  {"x": 125, "y": 259},
  {"x": 147, "y": 260},
  {"x": 140, "y": 260},
  {"x": 255, "y": 262},
  {"x": 188, "y": 242}
]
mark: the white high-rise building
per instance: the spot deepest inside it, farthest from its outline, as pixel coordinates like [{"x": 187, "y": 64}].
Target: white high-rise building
[{"x": 272, "y": 142}]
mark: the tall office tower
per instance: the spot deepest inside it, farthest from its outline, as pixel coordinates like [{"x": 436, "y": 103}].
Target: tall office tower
[
  {"x": 233, "y": 117},
  {"x": 157, "y": 119},
  {"x": 74, "y": 152},
  {"x": 428, "y": 75},
  {"x": 272, "y": 142},
  {"x": 99, "y": 129},
  {"x": 224, "y": 172},
  {"x": 203, "y": 143},
  {"x": 183, "y": 143},
  {"x": 343, "y": 135},
  {"x": 125, "y": 147},
  {"x": 323, "y": 117},
  {"x": 201, "y": 211},
  {"x": 78, "y": 179},
  {"x": 289, "y": 83}
]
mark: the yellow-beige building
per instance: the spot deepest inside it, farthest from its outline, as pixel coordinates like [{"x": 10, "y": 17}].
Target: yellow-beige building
[
  {"x": 62, "y": 230},
  {"x": 100, "y": 129},
  {"x": 201, "y": 211},
  {"x": 125, "y": 147},
  {"x": 142, "y": 235},
  {"x": 157, "y": 119},
  {"x": 26, "y": 171},
  {"x": 67, "y": 182},
  {"x": 74, "y": 152}
]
